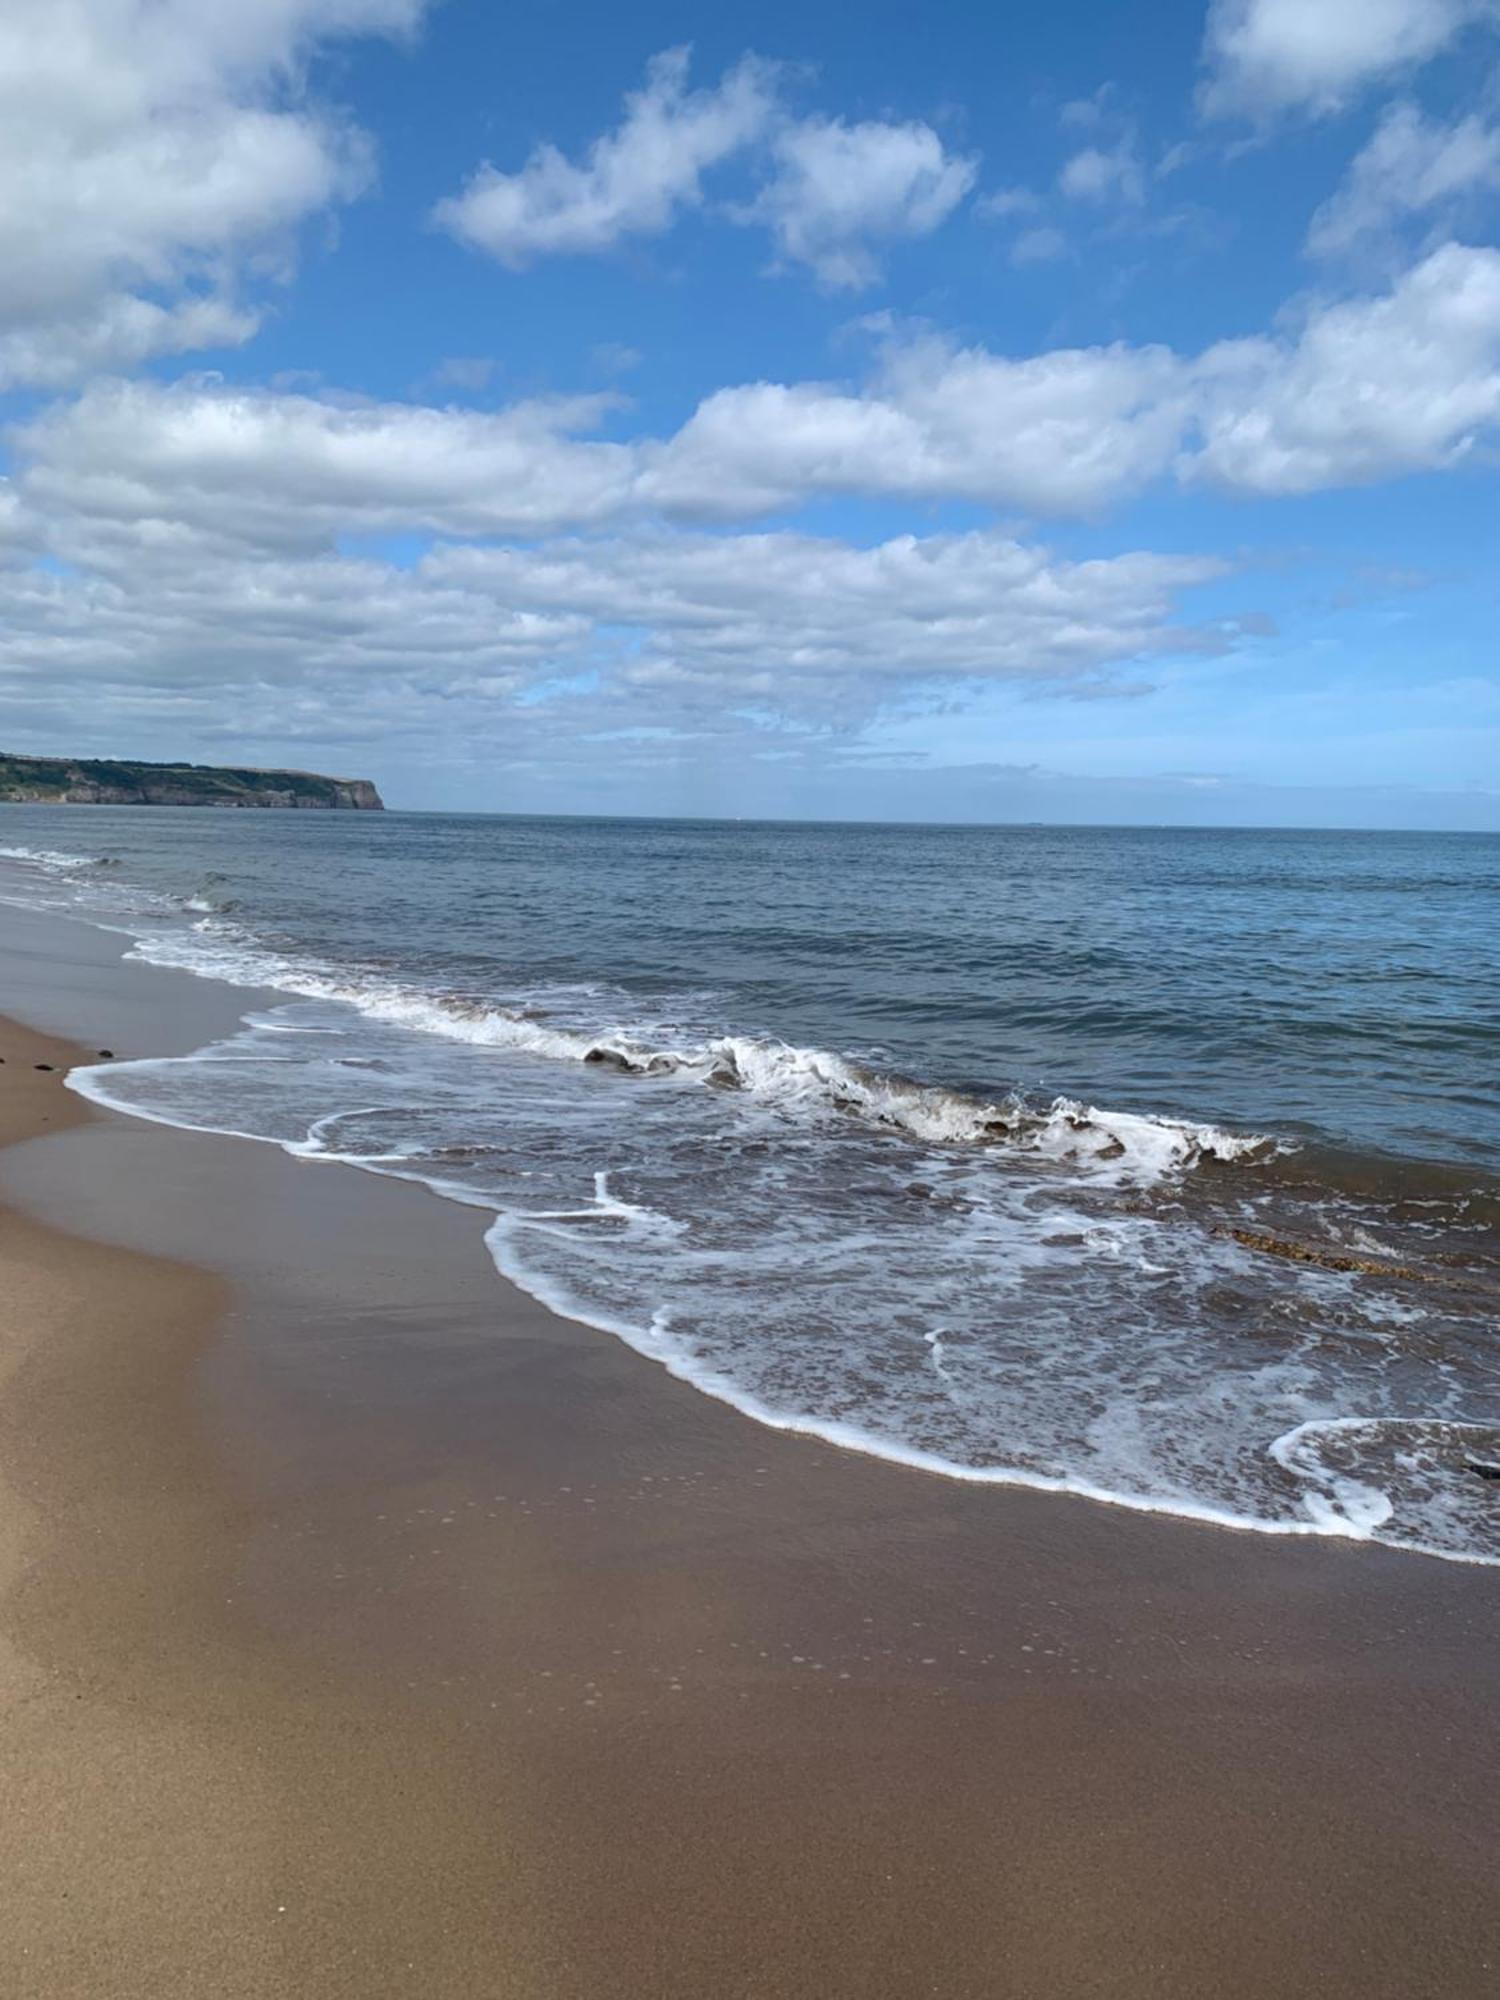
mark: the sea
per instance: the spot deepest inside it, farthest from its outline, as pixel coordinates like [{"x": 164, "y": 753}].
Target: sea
[{"x": 1158, "y": 1166}]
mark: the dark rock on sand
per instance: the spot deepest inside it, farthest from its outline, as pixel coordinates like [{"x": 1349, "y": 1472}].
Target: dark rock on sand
[{"x": 628, "y": 1065}]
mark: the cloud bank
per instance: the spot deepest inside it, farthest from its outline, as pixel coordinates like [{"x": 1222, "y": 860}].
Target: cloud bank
[{"x": 191, "y": 558}]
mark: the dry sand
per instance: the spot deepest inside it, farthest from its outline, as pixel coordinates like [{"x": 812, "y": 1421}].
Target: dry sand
[{"x": 371, "y": 1632}]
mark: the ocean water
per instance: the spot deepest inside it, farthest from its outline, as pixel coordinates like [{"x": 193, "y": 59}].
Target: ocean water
[{"x": 1157, "y": 1166}]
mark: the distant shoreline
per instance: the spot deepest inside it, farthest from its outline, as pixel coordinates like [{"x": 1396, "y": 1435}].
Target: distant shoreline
[{"x": 107, "y": 781}]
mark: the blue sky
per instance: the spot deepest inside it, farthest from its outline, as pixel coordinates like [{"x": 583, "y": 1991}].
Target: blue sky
[{"x": 1068, "y": 413}]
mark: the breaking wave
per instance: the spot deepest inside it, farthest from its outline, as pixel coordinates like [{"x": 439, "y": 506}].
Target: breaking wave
[
  {"x": 811, "y": 1081},
  {"x": 1137, "y": 1308}
]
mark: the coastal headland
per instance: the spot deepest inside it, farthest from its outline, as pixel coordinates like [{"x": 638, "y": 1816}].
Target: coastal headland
[
  {"x": 369, "y": 1631},
  {"x": 113, "y": 781}
]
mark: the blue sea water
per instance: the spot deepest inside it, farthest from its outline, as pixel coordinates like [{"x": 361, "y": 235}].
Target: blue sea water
[{"x": 1157, "y": 1165}]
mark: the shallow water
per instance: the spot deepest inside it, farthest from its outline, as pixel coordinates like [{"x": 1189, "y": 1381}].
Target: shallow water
[{"x": 1155, "y": 1165}]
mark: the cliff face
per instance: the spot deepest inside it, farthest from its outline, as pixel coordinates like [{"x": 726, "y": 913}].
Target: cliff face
[{"x": 90, "y": 781}]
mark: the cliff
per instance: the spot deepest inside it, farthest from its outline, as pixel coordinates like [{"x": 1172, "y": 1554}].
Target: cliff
[{"x": 92, "y": 781}]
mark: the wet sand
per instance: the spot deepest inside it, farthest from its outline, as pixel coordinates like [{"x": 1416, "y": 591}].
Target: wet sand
[{"x": 371, "y": 1631}]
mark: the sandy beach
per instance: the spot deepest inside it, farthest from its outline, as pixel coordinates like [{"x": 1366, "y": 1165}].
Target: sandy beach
[
  {"x": 370, "y": 1631},
  {"x": 749, "y": 1047}
]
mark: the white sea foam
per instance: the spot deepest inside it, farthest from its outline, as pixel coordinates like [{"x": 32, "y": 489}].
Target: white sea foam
[
  {"x": 1067, "y": 1342},
  {"x": 791, "y": 1078},
  {"x": 49, "y": 858},
  {"x": 988, "y": 1289},
  {"x": 1432, "y": 1462}
]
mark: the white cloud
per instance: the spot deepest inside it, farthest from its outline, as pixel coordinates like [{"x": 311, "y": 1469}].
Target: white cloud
[
  {"x": 839, "y": 189},
  {"x": 1100, "y": 175},
  {"x": 1412, "y": 167},
  {"x": 161, "y": 623},
  {"x": 288, "y": 565},
  {"x": 1087, "y": 114},
  {"x": 200, "y": 560},
  {"x": 1005, "y": 202},
  {"x": 1100, "y": 191},
  {"x": 1063, "y": 432},
  {"x": 1347, "y": 393},
  {"x": 120, "y": 332},
  {"x": 1266, "y": 56},
  {"x": 290, "y": 471},
  {"x": 799, "y": 616},
  {"x": 1039, "y": 246},
  {"x": 828, "y": 191},
  {"x": 1368, "y": 389},
  {"x": 215, "y": 558},
  {"x": 148, "y": 149},
  {"x": 1350, "y": 393},
  {"x": 634, "y": 181}
]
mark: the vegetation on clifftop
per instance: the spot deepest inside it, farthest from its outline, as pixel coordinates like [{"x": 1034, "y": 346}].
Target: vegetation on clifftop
[{"x": 110, "y": 781}]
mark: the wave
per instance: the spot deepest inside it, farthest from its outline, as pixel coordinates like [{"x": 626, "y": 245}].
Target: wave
[
  {"x": 1410, "y": 1483},
  {"x": 50, "y": 858},
  {"x": 1349, "y": 1467},
  {"x": 1327, "y": 1518},
  {"x": 1065, "y": 1130},
  {"x": 793, "y": 1079},
  {"x": 1053, "y": 1295}
]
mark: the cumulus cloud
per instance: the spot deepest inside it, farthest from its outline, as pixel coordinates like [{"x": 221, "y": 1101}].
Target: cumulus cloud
[
  {"x": 282, "y": 470},
  {"x": 1099, "y": 174},
  {"x": 1347, "y": 393},
  {"x": 205, "y": 555},
  {"x": 201, "y": 556},
  {"x": 1366, "y": 389},
  {"x": 1268, "y": 56},
  {"x": 208, "y": 559},
  {"x": 1102, "y": 190},
  {"x": 1412, "y": 168},
  {"x": 244, "y": 503},
  {"x": 839, "y": 189},
  {"x": 634, "y": 181},
  {"x": 283, "y": 564},
  {"x": 1342, "y": 393},
  {"x": 795, "y": 616},
  {"x": 148, "y": 149},
  {"x": 1039, "y": 246},
  {"x": 1003, "y": 203},
  {"x": 120, "y": 331},
  {"x": 165, "y": 619},
  {"x": 1062, "y": 432},
  {"x": 828, "y": 191}
]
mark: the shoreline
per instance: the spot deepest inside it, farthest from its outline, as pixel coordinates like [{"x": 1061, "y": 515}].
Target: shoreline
[
  {"x": 166, "y": 1828},
  {"x": 223, "y": 1009},
  {"x": 472, "y": 1653}
]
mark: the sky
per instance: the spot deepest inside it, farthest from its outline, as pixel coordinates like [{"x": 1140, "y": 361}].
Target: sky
[{"x": 1085, "y": 412}]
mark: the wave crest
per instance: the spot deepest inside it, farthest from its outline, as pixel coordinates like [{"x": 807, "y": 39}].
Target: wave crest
[
  {"x": 816, "y": 1082},
  {"x": 794, "y": 1080}
]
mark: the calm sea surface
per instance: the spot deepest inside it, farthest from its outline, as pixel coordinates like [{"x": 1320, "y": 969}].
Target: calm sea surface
[{"x": 1158, "y": 1165}]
